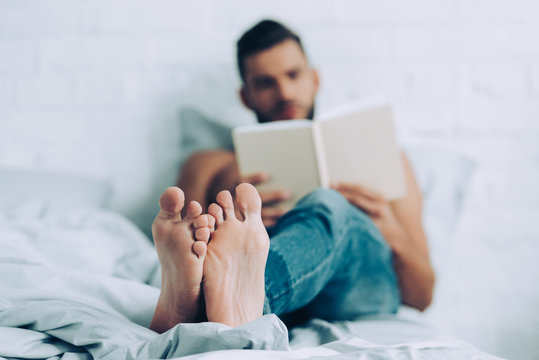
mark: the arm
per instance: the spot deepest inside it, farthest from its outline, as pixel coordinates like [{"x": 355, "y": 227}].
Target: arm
[
  {"x": 412, "y": 260},
  {"x": 400, "y": 223},
  {"x": 208, "y": 172},
  {"x": 200, "y": 173}
]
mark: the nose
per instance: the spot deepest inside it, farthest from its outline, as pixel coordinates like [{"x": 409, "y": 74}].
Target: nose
[{"x": 285, "y": 90}]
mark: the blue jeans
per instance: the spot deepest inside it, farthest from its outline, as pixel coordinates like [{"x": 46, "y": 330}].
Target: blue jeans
[{"x": 328, "y": 259}]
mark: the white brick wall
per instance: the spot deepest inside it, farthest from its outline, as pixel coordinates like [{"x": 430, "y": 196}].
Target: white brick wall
[
  {"x": 97, "y": 86},
  {"x": 17, "y": 57},
  {"x": 43, "y": 91},
  {"x": 535, "y": 78}
]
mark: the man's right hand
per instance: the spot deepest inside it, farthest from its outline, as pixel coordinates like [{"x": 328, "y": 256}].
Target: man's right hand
[{"x": 272, "y": 201}]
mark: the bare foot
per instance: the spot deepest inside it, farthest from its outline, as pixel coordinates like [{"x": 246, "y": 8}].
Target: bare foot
[
  {"x": 181, "y": 245},
  {"x": 236, "y": 259}
]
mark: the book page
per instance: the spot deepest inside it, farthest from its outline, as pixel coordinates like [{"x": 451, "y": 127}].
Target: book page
[
  {"x": 285, "y": 150},
  {"x": 360, "y": 147}
]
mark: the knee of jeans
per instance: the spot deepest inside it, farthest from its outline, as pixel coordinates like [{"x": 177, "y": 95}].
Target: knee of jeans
[
  {"x": 332, "y": 203},
  {"x": 327, "y": 198}
]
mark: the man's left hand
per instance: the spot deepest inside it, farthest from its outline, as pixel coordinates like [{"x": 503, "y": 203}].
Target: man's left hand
[{"x": 376, "y": 207}]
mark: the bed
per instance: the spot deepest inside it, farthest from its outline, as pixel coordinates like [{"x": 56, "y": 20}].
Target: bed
[{"x": 78, "y": 281}]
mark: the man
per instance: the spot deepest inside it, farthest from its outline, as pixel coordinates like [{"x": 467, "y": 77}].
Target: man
[{"x": 336, "y": 254}]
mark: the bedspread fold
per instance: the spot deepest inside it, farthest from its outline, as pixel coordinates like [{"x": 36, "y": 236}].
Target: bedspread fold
[{"x": 52, "y": 311}]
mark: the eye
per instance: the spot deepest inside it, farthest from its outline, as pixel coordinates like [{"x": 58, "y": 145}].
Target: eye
[
  {"x": 294, "y": 74},
  {"x": 264, "y": 83}
]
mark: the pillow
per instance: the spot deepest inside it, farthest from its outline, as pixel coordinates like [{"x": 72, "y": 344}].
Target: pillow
[
  {"x": 200, "y": 132},
  {"x": 93, "y": 240},
  {"x": 443, "y": 174},
  {"x": 52, "y": 188},
  {"x": 60, "y": 219}
]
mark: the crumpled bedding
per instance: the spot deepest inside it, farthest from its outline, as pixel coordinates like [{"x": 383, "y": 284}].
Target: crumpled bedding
[
  {"x": 82, "y": 284},
  {"x": 60, "y": 311}
]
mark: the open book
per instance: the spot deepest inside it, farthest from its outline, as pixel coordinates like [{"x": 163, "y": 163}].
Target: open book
[{"x": 354, "y": 144}]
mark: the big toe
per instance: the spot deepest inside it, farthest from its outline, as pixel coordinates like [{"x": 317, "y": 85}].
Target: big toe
[
  {"x": 248, "y": 199},
  {"x": 171, "y": 201}
]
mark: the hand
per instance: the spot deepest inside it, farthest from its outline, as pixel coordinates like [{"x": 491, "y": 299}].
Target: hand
[
  {"x": 376, "y": 207},
  {"x": 272, "y": 208}
]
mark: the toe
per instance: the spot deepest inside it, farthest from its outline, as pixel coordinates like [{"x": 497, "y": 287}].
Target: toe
[
  {"x": 202, "y": 234},
  {"x": 211, "y": 223},
  {"x": 217, "y": 213},
  {"x": 171, "y": 203},
  {"x": 201, "y": 221},
  {"x": 194, "y": 209},
  {"x": 248, "y": 200},
  {"x": 224, "y": 198},
  {"x": 200, "y": 248}
]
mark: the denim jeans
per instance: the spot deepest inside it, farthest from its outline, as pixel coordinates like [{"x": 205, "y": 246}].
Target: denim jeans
[{"x": 328, "y": 259}]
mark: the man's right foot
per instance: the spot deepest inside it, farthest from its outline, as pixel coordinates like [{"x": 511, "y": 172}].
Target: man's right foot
[
  {"x": 181, "y": 245},
  {"x": 233, "y": 280}
]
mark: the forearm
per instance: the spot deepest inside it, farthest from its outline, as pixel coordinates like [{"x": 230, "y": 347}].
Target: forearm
[
  {"x": 414, "y": 272},
  {"x": 198, "y": 177},
  {"x": 226, "y": 179}
]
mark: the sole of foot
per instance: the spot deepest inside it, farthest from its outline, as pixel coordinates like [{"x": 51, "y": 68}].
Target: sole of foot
[
  {"x": 235, "y": 262},
  {"x": 181, "y": 245}
]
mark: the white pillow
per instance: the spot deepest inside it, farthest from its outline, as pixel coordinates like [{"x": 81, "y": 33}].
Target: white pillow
[
  {"x": 51, "y": 188},
  {"x": 58, "y": 219},
  {"x": 93, "y": 240},
  {"x": 443, "y": 174},
  {"x": 201, "y": 132}
]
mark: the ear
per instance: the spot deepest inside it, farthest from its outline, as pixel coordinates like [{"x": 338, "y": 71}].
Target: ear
[
  {"x": 245, "y": 98},
  {"x": 316, "y": 80}
]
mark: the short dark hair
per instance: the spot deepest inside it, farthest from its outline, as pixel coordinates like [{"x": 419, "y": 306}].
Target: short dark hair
[{"x": 264, "y": 35}]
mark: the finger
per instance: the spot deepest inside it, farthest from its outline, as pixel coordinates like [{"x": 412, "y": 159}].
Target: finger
[
  {"x": 255, "y": 178},
  {"x": 273, "y": 212},
  {"x": 270, "y": 215},
  {"x": 273, "y": 197},
  {"x": 359, "y": 189},
  {"x": 269, "y": 222},
  {"x": 377, "y": 222},
  {"x": 371, "y": 207}
]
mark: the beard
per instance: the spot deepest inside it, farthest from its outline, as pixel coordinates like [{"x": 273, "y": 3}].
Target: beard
[{"x": 265, "y": 118}]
